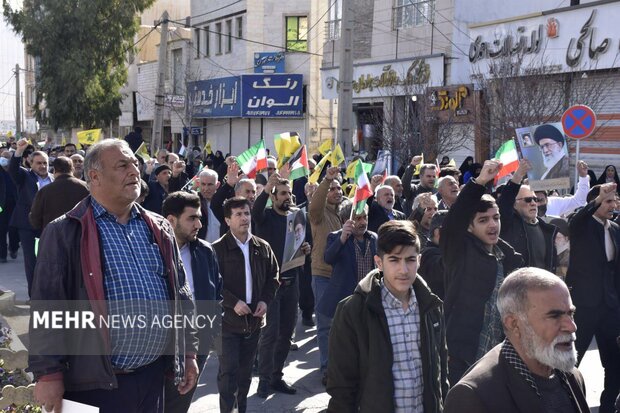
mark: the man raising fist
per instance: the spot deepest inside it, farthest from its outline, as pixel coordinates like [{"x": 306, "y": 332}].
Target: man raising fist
[{"x": 476, "y": 261}]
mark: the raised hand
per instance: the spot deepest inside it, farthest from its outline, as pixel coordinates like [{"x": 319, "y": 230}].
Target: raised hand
[{"x": 490, "y": 169}]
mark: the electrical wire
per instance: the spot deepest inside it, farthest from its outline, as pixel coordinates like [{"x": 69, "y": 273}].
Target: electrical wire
[
  {"x": 7, "y": 82},
  {"x": 433, "y": 25},
  {"x": 247, "y": 40},
  {"x": 213, "y": 11}
]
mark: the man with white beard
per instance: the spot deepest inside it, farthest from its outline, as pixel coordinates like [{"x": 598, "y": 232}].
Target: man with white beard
[
  {"x": 551, "y": 142},
  {"x": 533, "y": 370}
]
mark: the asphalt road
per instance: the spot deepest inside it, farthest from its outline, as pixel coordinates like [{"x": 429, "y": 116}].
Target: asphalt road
[{"x": 301, "y": 370}]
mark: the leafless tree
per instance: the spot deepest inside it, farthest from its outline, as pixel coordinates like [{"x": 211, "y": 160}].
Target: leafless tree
[
  {"x": 410, "y": 123},
  {"x": 518, "y": 94}
]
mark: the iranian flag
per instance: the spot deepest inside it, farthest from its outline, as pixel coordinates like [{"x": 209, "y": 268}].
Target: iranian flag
[
  {"x": 299, "y": 164},
  {"x": 253, "y": 160},
  {"x": 363, "y": 191},
  {"x": 508, "y": 156}
]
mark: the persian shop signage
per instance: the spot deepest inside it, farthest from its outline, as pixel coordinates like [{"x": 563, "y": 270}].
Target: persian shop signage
[
  {"x": 452, "y": 103},
  {"x": 395, "y": 78},
  {"x": 574, "y": 40}
]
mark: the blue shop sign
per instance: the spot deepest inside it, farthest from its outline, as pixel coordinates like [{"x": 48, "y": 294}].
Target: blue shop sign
[
  {"x": 216, "y": 98},
  {"x": 272, "y": 96},
  {"x": 269, "y": 62}
]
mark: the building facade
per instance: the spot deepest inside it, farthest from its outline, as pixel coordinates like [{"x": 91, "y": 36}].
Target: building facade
[
  {"x": 256, "y": 67},
  {"x": 416, "y": 89}
]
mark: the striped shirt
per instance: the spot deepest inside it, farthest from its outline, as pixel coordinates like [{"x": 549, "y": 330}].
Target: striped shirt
[
  {"x": 404, "y": 326},
  {"x": 134, "y": 281}
]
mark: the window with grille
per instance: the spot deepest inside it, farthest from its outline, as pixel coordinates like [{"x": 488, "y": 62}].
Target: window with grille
[{"x": 411, "y": 13}]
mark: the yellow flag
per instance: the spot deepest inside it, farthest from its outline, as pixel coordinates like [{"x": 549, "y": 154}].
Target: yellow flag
[
  {"x": 337, "y": 156},
  {"x": 325, "y": 147},
  {"x": 9, "y": 134},
  {"x": 352, "y": 191},
  {"x": 89, "y": 137},
  {"x": 351, "y": 169},
  {"x": 452, "y": 163},
  {"x": 314, "y": 178},
  {"x": 142, "y": 152},
  {"x": 63, "y": 142},
  {"x": 418, "y": 166},
  {"x": 286, "y": 144},
  {"x": 207, "y": 148}
]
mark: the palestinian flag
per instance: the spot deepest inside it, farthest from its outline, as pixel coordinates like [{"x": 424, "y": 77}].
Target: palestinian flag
[
  {"x": 299, "y": 164},
  {"x": 253, "y": 160},
  {"x": 509, "y": 157},
  {"x": 363, "y": 190}
]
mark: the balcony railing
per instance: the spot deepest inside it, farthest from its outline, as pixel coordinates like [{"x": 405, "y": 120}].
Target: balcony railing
[{"x": 332, "y": 29}]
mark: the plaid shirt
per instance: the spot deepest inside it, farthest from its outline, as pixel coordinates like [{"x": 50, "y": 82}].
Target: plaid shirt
[
  {"x": 364, "y": 262},
  {"x": 134, "y": 284},
  {"x": 404, "y": 326},
  {"x": 492, "y": 332}
]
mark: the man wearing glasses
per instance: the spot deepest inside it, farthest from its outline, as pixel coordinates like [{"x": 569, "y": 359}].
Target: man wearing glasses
[
  {"x": 521, "y": 228},
  {"x": 551, "y": 142}
]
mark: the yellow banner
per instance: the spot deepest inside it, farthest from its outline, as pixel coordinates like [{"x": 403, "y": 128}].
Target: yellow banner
[
  {"x": 89, "y": 137},
  {"x": 286, "y": 145},
  {"x": 418, "y": 166},
  {"x": 314, "y": 178},
  {"x": 325, "y": 147},
  {"x": 207, "y": 148},
  {"x": 351, "y": 169},
  {"x": 337, "y": 156}
]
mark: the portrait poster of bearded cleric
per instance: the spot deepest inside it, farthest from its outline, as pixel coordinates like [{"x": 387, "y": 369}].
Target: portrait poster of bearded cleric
[{"x": 546, "y": 148}]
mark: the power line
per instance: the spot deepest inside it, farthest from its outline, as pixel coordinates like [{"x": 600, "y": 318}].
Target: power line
[
  {"x": 7, "y": 82},
  {"x": 433, "y": 27},
  {"x": 229, "y": 71},
  {"x": 214, "y": 10},
  {"x": 246, "y": 40}
]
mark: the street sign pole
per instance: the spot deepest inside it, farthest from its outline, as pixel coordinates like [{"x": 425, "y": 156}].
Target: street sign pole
[{"x": 578, "y": 122}]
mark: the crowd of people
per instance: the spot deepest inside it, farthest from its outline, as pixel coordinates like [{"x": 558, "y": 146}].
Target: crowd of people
[{"x": 444, "y": 293}]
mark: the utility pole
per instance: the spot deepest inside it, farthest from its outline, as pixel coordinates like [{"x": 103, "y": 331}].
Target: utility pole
[
  {"x": 157, "y": 140},
  {"x": 18, "y": 114},
  {"x": 345, "y": 77}
]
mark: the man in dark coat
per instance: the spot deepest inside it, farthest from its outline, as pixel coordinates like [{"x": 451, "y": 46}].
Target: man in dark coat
[
  {"x": 58, "y": 197},
  {"x": 529, "y": 236},
  {"x": 431, "y": 262},
  {"x": 387, "y": 347},
  {"x": 28, "y": 182},
  {"x": 8, "y": 195},
  {"x": 428, "y": 175},
  {"x": 250, "y": 275},
  {"x": 382, "y": 209},
  {"x": 476, "y": 261},
  {"x": 182, "y": 210},
  {"x": 594, "y": 278},
  {"x": 533, "y": 370}
]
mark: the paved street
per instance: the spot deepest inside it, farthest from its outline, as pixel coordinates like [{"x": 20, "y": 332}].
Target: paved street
[{"x": 301, "y": 371}]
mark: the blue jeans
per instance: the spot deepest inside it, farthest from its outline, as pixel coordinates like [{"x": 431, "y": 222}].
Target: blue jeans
[{"x": 323, "y": 323}]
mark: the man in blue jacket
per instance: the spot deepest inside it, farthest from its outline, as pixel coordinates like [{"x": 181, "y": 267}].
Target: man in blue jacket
[
  {"x": 28, "y": 182},
  {"x": 350, "y": 252},
  {"x": 182, "y": 210}
]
